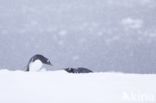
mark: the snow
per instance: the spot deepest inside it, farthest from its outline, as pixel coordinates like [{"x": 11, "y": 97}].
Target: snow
[
  {"x": 132, "y": 23},
  {"x": 61, "y": 87}
]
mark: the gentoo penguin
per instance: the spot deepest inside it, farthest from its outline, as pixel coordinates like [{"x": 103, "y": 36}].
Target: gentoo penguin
[
  {"x": 36, "y": 62},
  {"x": 78, "y": 70}
]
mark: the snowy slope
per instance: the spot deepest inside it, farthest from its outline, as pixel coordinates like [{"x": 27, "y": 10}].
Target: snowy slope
[{"x": 61, "y": 87}]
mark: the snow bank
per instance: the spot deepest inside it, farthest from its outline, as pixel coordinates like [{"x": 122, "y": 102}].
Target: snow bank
[{"x": 61, "y": 87}]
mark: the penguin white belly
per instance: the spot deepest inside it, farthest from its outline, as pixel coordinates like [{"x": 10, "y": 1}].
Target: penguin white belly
[{"x": 35, "y": 66}]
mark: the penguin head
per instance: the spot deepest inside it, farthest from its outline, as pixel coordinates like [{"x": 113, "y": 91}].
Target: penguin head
[
  {"x": 36, "y": 62},
  {"x": 70, "y": 70}
]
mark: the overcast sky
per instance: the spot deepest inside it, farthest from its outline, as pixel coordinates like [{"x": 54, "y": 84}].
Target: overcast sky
[{"x": 103, "y": 35}]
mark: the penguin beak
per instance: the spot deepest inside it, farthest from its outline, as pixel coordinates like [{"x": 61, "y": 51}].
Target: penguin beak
[{"x": 49, "y": 63}]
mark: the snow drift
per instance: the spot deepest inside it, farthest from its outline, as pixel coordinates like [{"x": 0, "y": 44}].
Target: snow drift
[{"x": 61, "y": 87}]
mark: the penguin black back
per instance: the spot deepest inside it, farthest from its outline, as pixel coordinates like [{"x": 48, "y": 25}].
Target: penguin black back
[
  {"x": 83, "y": 70},
  {"x": 78, "y": 70}
]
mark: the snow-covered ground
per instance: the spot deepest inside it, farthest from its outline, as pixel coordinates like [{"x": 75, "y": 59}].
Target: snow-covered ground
[{"x": 61, "y": 87}]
